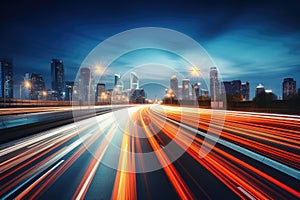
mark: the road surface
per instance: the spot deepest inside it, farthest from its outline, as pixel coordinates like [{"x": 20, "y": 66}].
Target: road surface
[{"x": 157, "y": 152}]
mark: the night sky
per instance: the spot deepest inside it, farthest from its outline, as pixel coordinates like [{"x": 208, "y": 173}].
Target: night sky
[{"x": 258, "y": 41}]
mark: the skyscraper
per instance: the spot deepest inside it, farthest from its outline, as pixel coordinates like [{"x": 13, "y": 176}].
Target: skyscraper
[
  {"x": 57, "y": 77},
  {"x": 137, "y": 96},
  {"x": 134, "y": 81},
  {"x": 236, "y": 87},
  {"x": 226, "y": 88},
  {"x": 84, "y": 84},
  {"x": 214, "y": 84},
  {"x": 69, "y": 90},
  {"x": 288, "y": 88},
  {"x": 204, "y": 93},
  {"x": 195, "y": 91},
  {"x": 185, "y": 89},
  {"x": 37, "y": 86},
  {"x": 119, "y": 85},
  {"x": 117, "y": 78},
  {"x": 245, "y": 91},
  {"x": 6, "y": 75},
  {"x": 99, "y": 92},
  {"x": 174, "y": 85},
  {"x": 259, "y": 89}
]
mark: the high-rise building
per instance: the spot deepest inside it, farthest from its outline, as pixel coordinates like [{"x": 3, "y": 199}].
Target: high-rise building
[
  {"x": 174, "y": 85},
  {"x": 69, "y": 90},
  {"x": 36, "y": 90},
  {"x": 245, "y": 91},
  {"x": 6, "y": 75},
  {"x": 288, "y": 88},
  {"x": 204, "y": 93},
  {"x": 179, "y": 95},
  {"x": 226, "y": 87},
  {"x": 119, "y": 85},
  {"x": 185, "y": 89},
  {"x": 134, "y": 81},
  {"x": 236, "y": 87},
  {"x": 231, "y": 87},
  {"x": 100, "y": 92},
  {"x": 138, "y": 96},
  {"x": 117, "y": 78},
  {"x": 259, "y": 89},
  {"x": 85, "y": 84},
  {"x": 57, "y": 77},
  {"x": 214, "y": 84},
  {"x": 195, "y": 91}
]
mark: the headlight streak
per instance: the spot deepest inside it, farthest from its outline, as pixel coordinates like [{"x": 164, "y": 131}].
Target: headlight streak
[
  {"x": 230, "y": 173},
  {"x": 86, "y": 180},
  {"x": 173, "y": 175},
  {"x": 33, "y": 164}
]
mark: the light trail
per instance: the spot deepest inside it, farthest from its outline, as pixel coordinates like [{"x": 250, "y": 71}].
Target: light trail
[{"x": 256, "y": 157}]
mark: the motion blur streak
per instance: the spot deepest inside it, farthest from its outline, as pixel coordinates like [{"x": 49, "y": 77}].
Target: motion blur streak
[
  {"x": 125, "y": 182},
  {"x": 70, "y": 161},
  {"x": 170, "y": 170}
]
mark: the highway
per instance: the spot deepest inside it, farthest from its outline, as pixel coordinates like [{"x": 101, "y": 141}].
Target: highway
[{"x": 157, "y": 152}]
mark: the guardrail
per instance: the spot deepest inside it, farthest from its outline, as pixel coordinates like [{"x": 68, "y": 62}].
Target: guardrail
[{"x": 11, "y": 102}]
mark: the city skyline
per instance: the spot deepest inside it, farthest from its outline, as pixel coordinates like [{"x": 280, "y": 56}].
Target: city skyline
[
  {"x": 112, "y": 83},
  {"x": 247, "y": 40}
]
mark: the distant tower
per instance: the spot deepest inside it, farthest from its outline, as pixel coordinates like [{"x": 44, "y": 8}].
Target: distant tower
[
  {"x": 84, "y": 84},
  {"x": 185, "y": 89},
  {"x": 37, "y": 86},
  {"x": 100, "y": 92},
  {"x": 134, "y": 81},
  {"x": 288, "y": 88},
  {"x": 6, "y": 81},
  {"x": 259, "y": 89},
  {"x": 245, "y": 91},
  {"x": 236, "y": 86},
  {"x": 69, "y": 87},
  {"x": 214, "y": 84},
  {"x": 57, "y": 77},
  {"x": 174, "y": 85},
  {"x": 195, "y": 91},
  {"x": 117, "y": 78}
]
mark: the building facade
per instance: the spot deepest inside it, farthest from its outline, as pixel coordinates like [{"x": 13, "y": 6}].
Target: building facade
[
  {"x": 117, "y": 78},
  {"x": 6, "y": 76},
  {"x": 134, "y": 81},
  {"x": 174, "y": 85},
  {"x": 100, "y": 92},
  {"x": 214, "y": 84},
  {"x": 57, "y": 77},
  {"x": 195, "y": 91},
  {"x": 245, "y": 91},
  {"x": 288, "y": 88},
  {"x": 85, "y": 85},
  {"x": 185, "y": 89},
  {"x": 259, "y": 89},
  {"x": 36, "y": 89},
  {"x": 69, "y": 86}
]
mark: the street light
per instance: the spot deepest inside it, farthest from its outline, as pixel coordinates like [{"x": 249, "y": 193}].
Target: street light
[
  {"x": 44, "y": 93},
  {"x": 27, "y": 85}
]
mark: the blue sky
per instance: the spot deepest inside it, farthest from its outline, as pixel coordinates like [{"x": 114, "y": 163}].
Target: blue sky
[{"x": 258, "y": 41}]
